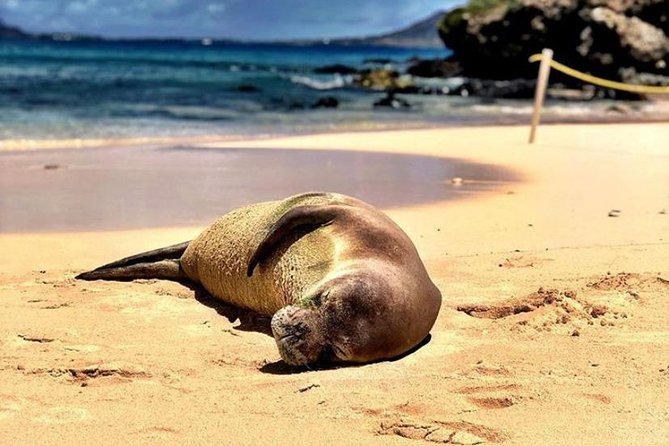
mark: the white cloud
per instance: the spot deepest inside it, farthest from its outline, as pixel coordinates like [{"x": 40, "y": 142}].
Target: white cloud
[
  {"x": 215, "y": 8},
  {"x": 10, "y": 4}
]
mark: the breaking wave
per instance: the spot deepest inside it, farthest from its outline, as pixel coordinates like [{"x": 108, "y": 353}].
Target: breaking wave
[{"x": 330, "y": 83}]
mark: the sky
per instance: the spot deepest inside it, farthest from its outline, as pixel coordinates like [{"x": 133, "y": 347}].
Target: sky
[{"x": 241, "y": 19}]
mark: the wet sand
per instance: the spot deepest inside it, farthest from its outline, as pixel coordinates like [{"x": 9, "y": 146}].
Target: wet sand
[
  {"x": 146, "y": 187},
  {"x": 553, "y": 329}
]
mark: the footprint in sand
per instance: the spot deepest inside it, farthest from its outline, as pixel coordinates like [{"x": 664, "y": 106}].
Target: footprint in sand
[
  {"x": 63, "y": 415},
  {"x": 491, "y": 396},
  {"x": 461, "y": 433}
]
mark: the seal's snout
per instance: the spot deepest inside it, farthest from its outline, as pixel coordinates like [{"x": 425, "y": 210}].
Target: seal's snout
[{"x": 298, "y": 335}]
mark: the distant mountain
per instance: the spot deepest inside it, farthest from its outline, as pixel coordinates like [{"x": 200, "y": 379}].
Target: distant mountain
[
  {"x": 423, "y": 33},
  {"x": 11, "y": 32}
]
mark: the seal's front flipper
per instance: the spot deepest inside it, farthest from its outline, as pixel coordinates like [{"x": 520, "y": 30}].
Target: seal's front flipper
[
  {"x": 303, "y": 218},
  {"x": 160, "y": 263},
  {"x": 163, "y": 269}
]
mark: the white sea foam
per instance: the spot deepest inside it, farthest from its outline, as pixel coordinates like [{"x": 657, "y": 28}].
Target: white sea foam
[{"x": 337, "y": 81}]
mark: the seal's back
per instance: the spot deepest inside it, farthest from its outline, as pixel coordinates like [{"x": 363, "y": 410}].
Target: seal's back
[{"x": 218, "y": 258}]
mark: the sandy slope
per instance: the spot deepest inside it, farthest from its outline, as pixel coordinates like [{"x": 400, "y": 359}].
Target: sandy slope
[{"x": 553, "y": 329}]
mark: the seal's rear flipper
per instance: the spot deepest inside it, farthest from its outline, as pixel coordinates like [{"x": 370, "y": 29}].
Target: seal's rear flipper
[
  {"x": 164, "y": 269},
  {"x": 160, "y": 263},
  {"x": 307, "y": 218},
  {"x": 169, "y": 252}
]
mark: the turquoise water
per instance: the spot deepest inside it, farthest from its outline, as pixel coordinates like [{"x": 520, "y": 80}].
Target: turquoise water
[{"x": 51, "y": 89}]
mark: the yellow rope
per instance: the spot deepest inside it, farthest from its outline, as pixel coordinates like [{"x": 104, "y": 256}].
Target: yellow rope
[{"x": 599, "y": 81}]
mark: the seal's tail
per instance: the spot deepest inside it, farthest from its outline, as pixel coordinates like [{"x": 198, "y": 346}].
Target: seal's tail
[{"x": 160, "y": 263}]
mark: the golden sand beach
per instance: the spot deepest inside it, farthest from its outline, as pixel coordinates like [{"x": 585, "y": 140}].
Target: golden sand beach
[{"x": 553, "y": 328}]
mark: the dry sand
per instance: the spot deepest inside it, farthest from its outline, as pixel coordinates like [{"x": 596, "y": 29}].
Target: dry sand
[{"x": 553, "y": 328}]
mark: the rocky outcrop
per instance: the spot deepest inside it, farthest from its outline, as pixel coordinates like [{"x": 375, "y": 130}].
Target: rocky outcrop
[
  {"x": 390, "y": 100},
  {"x": 616, "y": 39},
  {"x": 433, "y": 68},
  {"x": 487, "y": 88},
  {"x": 326, "y": 102},
  {"x": 381, "y": 80}
]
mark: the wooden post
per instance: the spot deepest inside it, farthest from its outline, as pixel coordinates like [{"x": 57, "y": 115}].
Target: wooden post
[{"x": 540, "y": 92}]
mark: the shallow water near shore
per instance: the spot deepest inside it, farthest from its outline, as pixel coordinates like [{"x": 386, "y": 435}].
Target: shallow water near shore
[
  {"x": 124, "y": 188},
  {"x": 123, "y": 90}
]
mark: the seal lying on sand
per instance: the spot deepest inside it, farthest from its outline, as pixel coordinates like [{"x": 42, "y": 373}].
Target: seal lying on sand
[{"x": 342, "y": 281}]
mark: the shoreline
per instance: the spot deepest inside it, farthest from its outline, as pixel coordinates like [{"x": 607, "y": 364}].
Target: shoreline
[
  {"x": 475, "y": 144},
  {"x": 144, "y": 361},
  {"x": 31, "y": 144}
]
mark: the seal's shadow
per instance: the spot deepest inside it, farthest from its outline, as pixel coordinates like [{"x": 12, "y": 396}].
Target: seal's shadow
[
  {"x": 248, "y": 320},
  {"x": 252, "y": 321},
  {"x": 281, "y": 368}
]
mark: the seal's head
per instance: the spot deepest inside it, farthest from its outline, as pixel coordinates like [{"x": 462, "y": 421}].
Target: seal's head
[{"x": 298, "y": 334}]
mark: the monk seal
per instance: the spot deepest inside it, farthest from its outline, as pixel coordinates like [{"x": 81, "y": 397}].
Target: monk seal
[{"x": 342, "y": 282}]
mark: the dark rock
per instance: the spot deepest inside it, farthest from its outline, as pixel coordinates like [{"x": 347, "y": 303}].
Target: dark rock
[
  {"x": 381, "y": 79},
  {"x": 486, "y": 88},
  {"x": 492, "y": 39},
  {"x": 391, "y": 101},
  {"x": 434, "y": 68},
  {"x": 247, "y": 88},
  {"x": 326, "y": 102},
  {"x": 335, "y": 69},
  {"x": 378, "y": 61}
]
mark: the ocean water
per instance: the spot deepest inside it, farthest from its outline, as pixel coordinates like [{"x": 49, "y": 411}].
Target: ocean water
[
  {"x": 119, "y": 89},
  {"x": 70, "y": 90}
]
